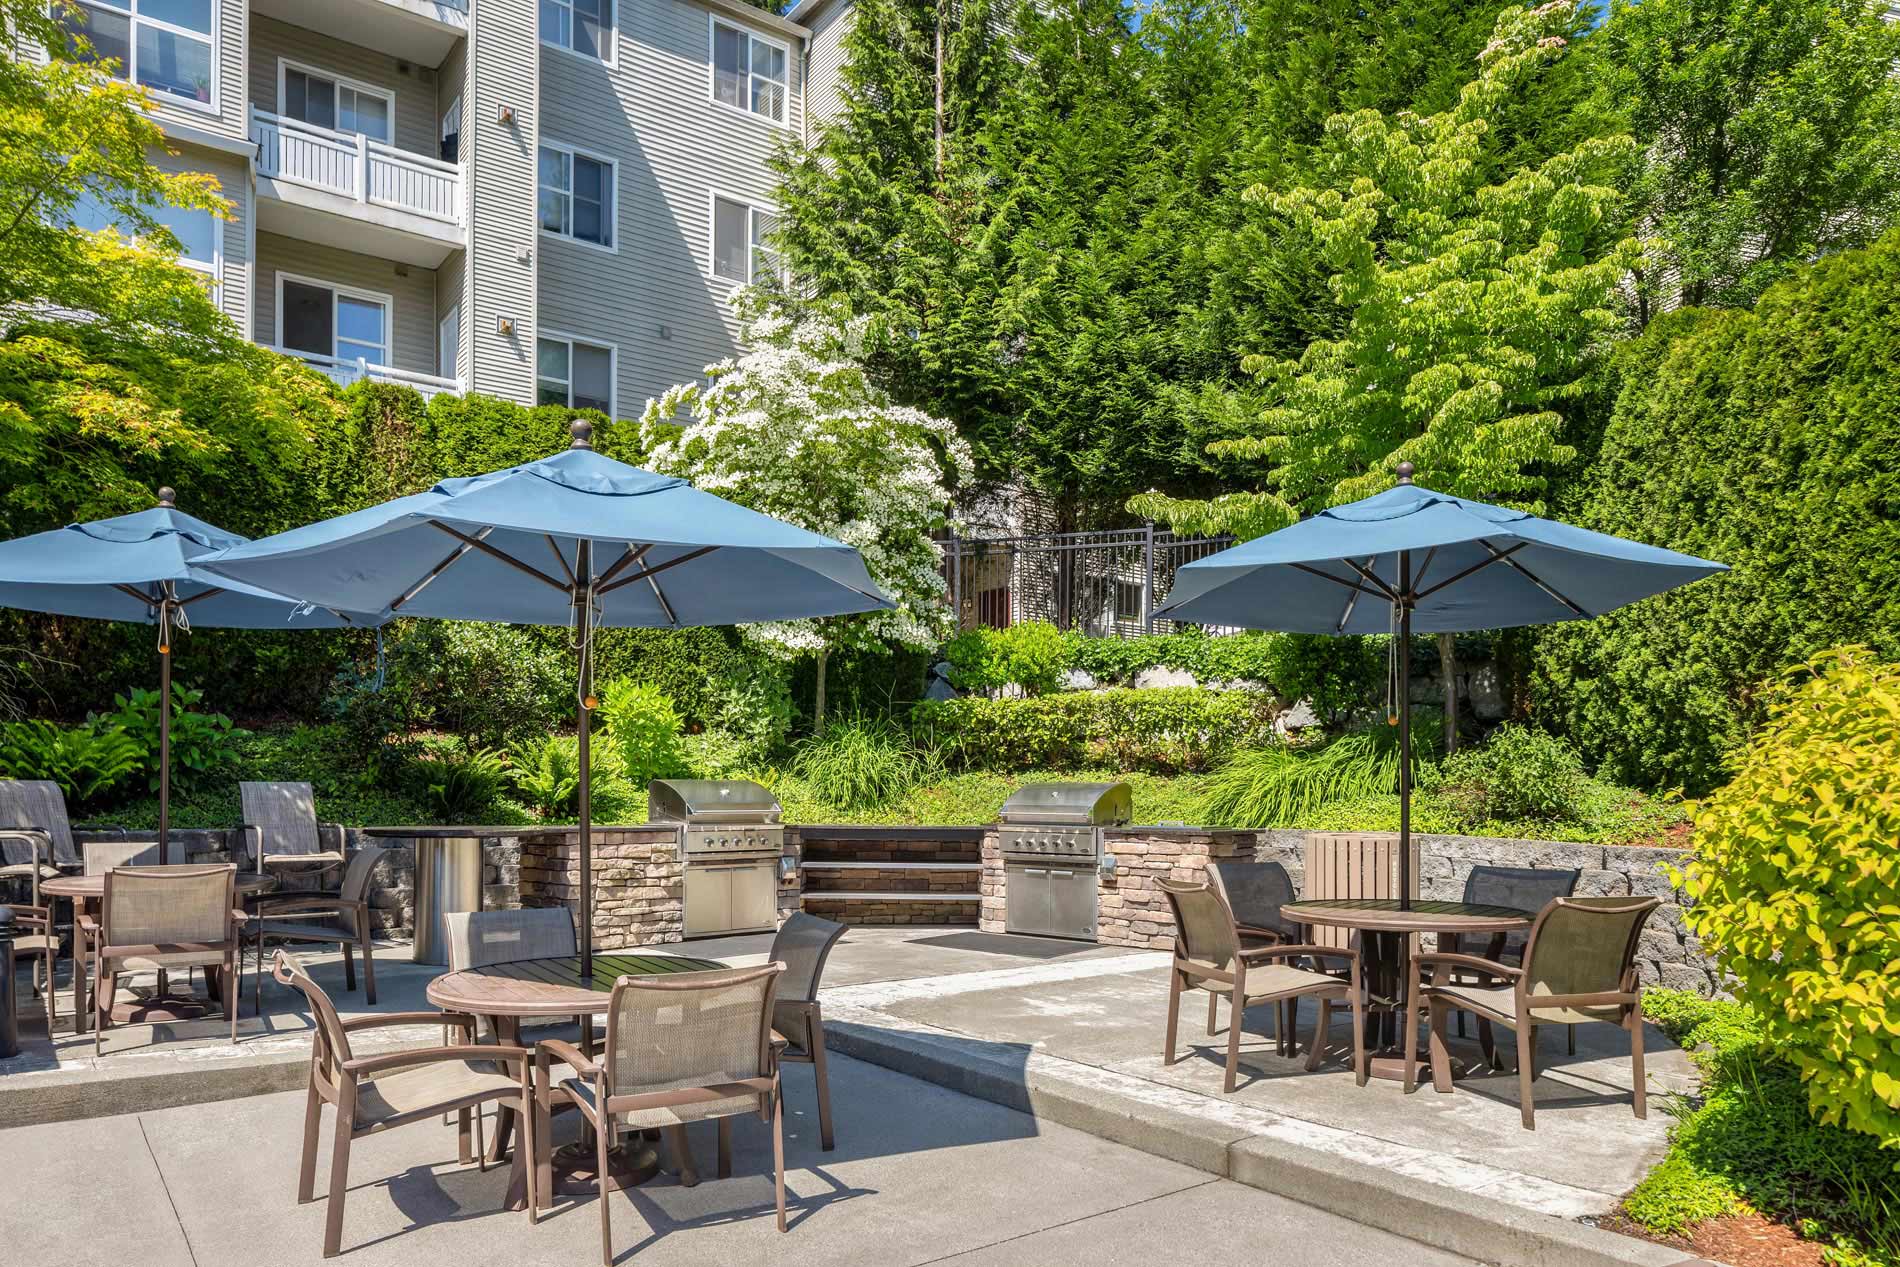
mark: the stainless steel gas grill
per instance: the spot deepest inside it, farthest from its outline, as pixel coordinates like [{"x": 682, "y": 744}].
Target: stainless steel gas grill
[
  {"x": 1050, "y": 836},
  {"x": 730, "y": 838}
]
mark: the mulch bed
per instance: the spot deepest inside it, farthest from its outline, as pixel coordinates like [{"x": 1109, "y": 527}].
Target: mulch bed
[{"x": 1740, "y": 1240}]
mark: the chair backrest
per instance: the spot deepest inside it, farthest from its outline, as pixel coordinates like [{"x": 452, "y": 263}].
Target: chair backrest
[
  {"x": 1203, "y": 926},
  {"x": 332, "y": 1043},
  {"x": 1584, "y": 945},
  {"x": 1526, "y": 888},
  {"x": 479, "y": 938},
  {"x": 285, "y": 815},
  {"x": 1353, "y": 865},
  {"x": 803, "y": 944},
  {"x": 690, "y": 1029},
  {"x": 356, "y": 875},
  {"x": 35, "y": 805},
  {"x": 103, "y": 855},
  {"x": 1253, "y": 891},
  {"x": 159, "y": 906}
]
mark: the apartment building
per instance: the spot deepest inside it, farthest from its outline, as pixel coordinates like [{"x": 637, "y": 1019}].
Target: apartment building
[{"x": 543, "y": 201}]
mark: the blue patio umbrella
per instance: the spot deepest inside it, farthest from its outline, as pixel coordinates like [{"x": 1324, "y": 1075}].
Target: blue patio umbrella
[
  {"x": 144, "y": 568},
  {"x": 1410, "y": 560},
  {"x": 575, "y": 539}
]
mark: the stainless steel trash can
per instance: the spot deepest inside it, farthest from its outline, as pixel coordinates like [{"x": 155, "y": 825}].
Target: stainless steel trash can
[
  {"x": 448, "y": 882},
  {"x": 9, "y": 1021}
]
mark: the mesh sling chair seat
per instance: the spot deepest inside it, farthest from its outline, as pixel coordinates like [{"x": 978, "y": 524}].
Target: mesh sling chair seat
[
  {"x": 1524, "y": 889},
  {"x": 377, "y": 1093},
  {"x": 1579, "y": 968},
  {"x": 281, "y": 830},
  {"x": 1208, "y": 956},
  {"x": 1254, "y": 892},
  {"x": 680, "y": 1048},
  {"x": 803, "y": 944},
  {"x": 292, "y": 917},
  {"x": 162, "y": 919},
  {"x": 36, "y": 836}
]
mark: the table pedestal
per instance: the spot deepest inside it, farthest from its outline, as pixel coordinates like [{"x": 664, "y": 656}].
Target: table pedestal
[{"x": 633, "y": 1162}]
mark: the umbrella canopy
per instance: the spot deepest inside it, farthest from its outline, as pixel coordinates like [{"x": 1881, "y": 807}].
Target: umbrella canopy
[
  {"x": 144, "y": 568},
  {"x": 574, "y": 539},
  {"x": 1410, "y": 560}
]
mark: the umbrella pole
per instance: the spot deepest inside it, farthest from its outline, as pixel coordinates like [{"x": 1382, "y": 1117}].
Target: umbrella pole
[
  {"x": 583, "y": 616},
  {"x": 1405, "y": 730},
  {"x": 164, "y": 732}
]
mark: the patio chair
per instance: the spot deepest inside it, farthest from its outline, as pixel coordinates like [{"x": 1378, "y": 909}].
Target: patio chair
[
  {"x": 36, "y": 837},
  {"x": 1208, "y": 956},
  {"x": 281, "y": 831},
  {"x": 292, "y": 916},
  {"x": 1254, "y": 892},
  {"x": 40, "y": 944},
  {"x": 803, "y": 944},
  {"x": 372, "y": 1094},
  {"x": 159, "y": 919},
  {"x": 1527, "y": 889},
  {"x": 1579, "y": 968},
  {"x": 680, "y": 1049},
  {"x": 99, "y": 856}
]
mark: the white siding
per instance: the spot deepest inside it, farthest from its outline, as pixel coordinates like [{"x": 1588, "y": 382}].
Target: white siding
[
  {"x": 411, "y": 291},
  {"x": 500, "y": 160},
  {"x": 234, "y": 183},
  {"x": 824, "y": 84},
  {"x": 416, "y": 124}
]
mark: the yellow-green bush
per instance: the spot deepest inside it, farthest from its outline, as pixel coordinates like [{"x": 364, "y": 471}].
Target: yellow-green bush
[{"x": 1795, "y": 882}]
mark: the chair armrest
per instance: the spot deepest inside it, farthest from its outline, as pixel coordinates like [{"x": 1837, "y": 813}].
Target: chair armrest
[
  {"x": 1290, "y": 950},
  {"x": 240, "y": 916},
  {"x": 435, "y": 1055},
  {"x": 1447, "y": 959},
  {"x": 298, "y": 904},
  {"x": 567, "y": 1053},
  {"x": 87, "y": 923},
  {"x": 1255, "y": 930},
  {"x": 378, "y": 1019},
  {"x": 33, "y": 914}
]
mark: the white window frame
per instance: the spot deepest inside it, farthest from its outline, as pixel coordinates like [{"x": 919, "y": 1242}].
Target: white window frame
[
  {"x": 130, "y": 9},
  {"x": 336, "y": 289},
  {"x": 613, "y": 366},
  {"x": 753, "y": 206},
  {"x": 285, "y": 65},
  {"x": 713, "y": 23},
  {"x": 612, "y": 245},
  {"x": 612, "y": 35}
]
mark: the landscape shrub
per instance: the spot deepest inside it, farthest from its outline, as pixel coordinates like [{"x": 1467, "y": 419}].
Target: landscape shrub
[
  {"x": 1171, "y": 729},
  {"x": 643, "y": 724},
  {"x": 461, "y": 786},
  {"x": 1335, "y": 675},
  {"x": 485, "y": 684},
  {"x": 692, "y": 667},
  {"x": 1516, "y": 773},
  {"x": 1768, "y": 440},
  {"x": 90, "y": 763},
  {"x": 858, "y": 763},
  {"x": 547, "y": 774},
  {"x": 1241, "y": 657},
  {"x": 1794, "y": 884},
  {"x": 201, "y": 743},
  {"x": 1286, "y": 785},
  {"x": 1032, "y": 655}
]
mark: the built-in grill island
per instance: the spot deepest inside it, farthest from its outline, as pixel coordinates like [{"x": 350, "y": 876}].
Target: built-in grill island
[
  {"x": 730, "y": 839},
  {"x": 1050, "y": 838}
]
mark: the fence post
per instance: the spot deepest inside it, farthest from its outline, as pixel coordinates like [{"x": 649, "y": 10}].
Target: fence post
[{"x": 1148, "y": 577}]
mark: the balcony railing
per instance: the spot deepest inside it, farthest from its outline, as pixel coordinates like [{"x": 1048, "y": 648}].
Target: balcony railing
[
  {"x": 345, "y": 372},
  {"x": 353, "y": 166}
]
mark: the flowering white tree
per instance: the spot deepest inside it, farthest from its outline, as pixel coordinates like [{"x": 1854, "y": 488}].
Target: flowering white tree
[{"x": 796, "y": 430}]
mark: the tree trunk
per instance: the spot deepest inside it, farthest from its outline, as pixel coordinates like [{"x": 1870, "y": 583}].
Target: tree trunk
[
  {"x": 1448, "y": 670},
  {"x": 818, "y": 707},
  {"x": 939, "y": 111}
]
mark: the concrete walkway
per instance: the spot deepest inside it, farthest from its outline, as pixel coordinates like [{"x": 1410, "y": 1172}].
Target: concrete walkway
[{"x": 921, "y": 1175}]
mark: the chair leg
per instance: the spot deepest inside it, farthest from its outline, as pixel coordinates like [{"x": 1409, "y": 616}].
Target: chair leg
[
  {"x": 1639, "y": 1098},
  {"x": 1293, "y": 1026},
  {"x": 1487, "y": 1042},
  {"x": 778, "y": 1152},
  {"x": 231, "y": 963},
  {"x": 1239, "y": 1006},
  {"x": 603, "y": 1132},
  {"x": 307, "y": 1168},
  {"x": 1408, "y": 1042},
  {"x": 725, "y": 1148},
  {"x": 1526, "y": 1071},
  {"x": 1213, "y": 1013},
  {"x": 339, "y": 1183},
  {"x": 1441, "y": 1049},
  {"x": 462, "y": 1137},
  {"x": 1570, "y": 1040},
  {"x": 1319, "y": 1034},
  {"x": 1360, "y": 1070},
  {"x": 369, "y": 969},
  {"x": 1174, "y": 1016},
  {"x": 682, "y": 1155},
  {"x": 101, "y": 1002},
  {"x": 826, "y": 1141},
  {"x": 349, "y": 967}
]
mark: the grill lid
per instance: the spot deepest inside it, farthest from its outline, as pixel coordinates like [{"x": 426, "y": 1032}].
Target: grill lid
[
  {"x": 710, "y": 801},
  {"x": 1076, "y": 804}
]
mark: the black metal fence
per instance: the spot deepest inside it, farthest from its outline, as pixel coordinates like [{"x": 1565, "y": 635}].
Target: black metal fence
[{"x": 1107, "y": 584}]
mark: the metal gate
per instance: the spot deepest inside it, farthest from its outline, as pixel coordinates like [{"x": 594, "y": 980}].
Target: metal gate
[{"x": 1106, "y": 584}]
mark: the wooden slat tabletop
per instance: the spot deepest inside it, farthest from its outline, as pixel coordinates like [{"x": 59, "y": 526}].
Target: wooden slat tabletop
[
  {"x": 1384, "y": 915},
  {"x": 551, "y": 987}
]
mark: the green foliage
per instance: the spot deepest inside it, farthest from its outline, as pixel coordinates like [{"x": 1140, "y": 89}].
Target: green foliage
[
  {"x": 692, "y": 667},
  {"x": 486, "y": 684},
  {"x": 643, "y": 724},
  {"x": 1286, "y": 785},
  {"x": 1751, "y": 1141},
  {"x": 970, "y": 798},
  {"x": 1336, "y": 675},
  {"x": 1172, "y": 729},
  {"x": 1518, "y": 772},
  {"x": 1032, "y": 655},
  {"x": 462, "y": 786},
  {"x": 547, "y": 774},
  {"x": 1795, "y": 885},
  {"x": 1243, "y": 657},
  {"x": 856, "y": 764},
  {"x": 89, "y": 763},
  {"x": 1765, "y": 440},
  {"x": 201, "y": 743},
  {"x": 1768, "y": 134}
]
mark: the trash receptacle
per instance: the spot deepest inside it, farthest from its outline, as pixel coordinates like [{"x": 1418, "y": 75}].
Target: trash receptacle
[
  {"x": 9, "y": 1018},
  {"x": 448, "y": 882}
]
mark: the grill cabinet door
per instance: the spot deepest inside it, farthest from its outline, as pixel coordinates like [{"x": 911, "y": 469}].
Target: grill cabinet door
[
  {"x": 1026, "y": 900},
  {"x": 1072, "y": 902},
  {"x": 708, "y": 897},
  {"x": 755, "y": 896}
]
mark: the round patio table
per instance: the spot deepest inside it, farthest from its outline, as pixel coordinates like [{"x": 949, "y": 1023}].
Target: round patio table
[
  {"x": 505, "y": 994},
  {"x": 86, "y": 891},
  {"x": 1389, "y": 931}
]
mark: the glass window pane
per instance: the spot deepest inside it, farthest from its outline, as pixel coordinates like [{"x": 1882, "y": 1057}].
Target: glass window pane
[
  {"x": 307, "y": 318},
  {"x": 550, "y": 394},
  {"x": 556, "y": 23},
  {"x": 551, "y": 362},
  {"x": 196, "y": 231},
  {"x": 90, "y": 214},
  {"x": 361, "y": 321},
  {"x": 593, "y": 27},
  {"x": 310, "y": 98},
  {"x": 109, "y": 34},
  {"x": 193, "y": 15},
  {"x": 175, "y": 64},
  {"x": 554, "y": 201},
  {"x": 768, "y": 99},
  {"x": 729, "y": 65},
  {"x": 764, "y": 224},
  {"x": 768, "y": 60},
  {"x": 362, "y": 112},
  {"x": 729, "y": 240},
  {"x": 593, "y": 378}
]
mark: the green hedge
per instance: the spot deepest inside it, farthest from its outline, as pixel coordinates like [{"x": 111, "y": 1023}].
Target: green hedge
[
  {"x": 1172, "y": 729},
  {"x": 1768, "y": 440}
]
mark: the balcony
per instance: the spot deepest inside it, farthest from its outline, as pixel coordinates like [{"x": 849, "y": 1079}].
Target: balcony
[
  {"x": 344, "y": 372},
  {"x": 421, "y": 31},
  {"x": 347, "y": 191}
]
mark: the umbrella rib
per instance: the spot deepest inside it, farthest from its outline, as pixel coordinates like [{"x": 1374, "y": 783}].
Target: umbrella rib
[
  {"x": 688, "y": 557},
  {"x": 666, "y": 608},
  {"x": 633, "y": 555},
  {"x": 1504, "y": 558},
  {"x": 431, "y": 574},
  {"x": 503, "y": 556},
  {"x": 1372, "y": 578},
  {"x": 213, "y": 592},
  {"x": 1348, "y": 582},
  {"x": 560, "y": 558},
  {"x": 135, "y": 593},
  {"x": 1497, "y": 556}
]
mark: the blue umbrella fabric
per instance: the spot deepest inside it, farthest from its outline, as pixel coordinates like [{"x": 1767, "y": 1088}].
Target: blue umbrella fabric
[
  {"x": 144, "y": 568},
  {"x": 575, "y": 539}
]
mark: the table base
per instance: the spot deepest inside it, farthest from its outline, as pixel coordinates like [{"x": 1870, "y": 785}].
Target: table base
[
  {"x": 633, "y": 1162},
  {"x": 159, "y": 1008}
]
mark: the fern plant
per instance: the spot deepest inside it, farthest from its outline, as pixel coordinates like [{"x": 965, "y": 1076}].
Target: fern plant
[
  {"x": 87, "y": 762},
  {"x": 548, "y": 777},
  {"x": 462, "y": 786}
]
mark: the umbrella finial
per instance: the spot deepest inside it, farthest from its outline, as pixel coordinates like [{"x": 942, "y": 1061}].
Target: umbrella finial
[
  {"x": 1405, "y": 472},
  {"x": 166, "y": 497},
  {"x": 583, "y": 432}
]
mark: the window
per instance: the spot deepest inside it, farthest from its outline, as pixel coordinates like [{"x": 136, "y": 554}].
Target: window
[
  {"x": 577, "y": 196},
  {"x": 740, "y": 232},
  {"x": 198, "y": 232},
  {"x": 325, "y": 101},
  {"x": 574, "y": 374},
  {"x": 329, "y": 321},
  {"x": 163, "y": 44},
  {"x": 748, "y": 72},
  {"x": 579, "y": 26}
]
